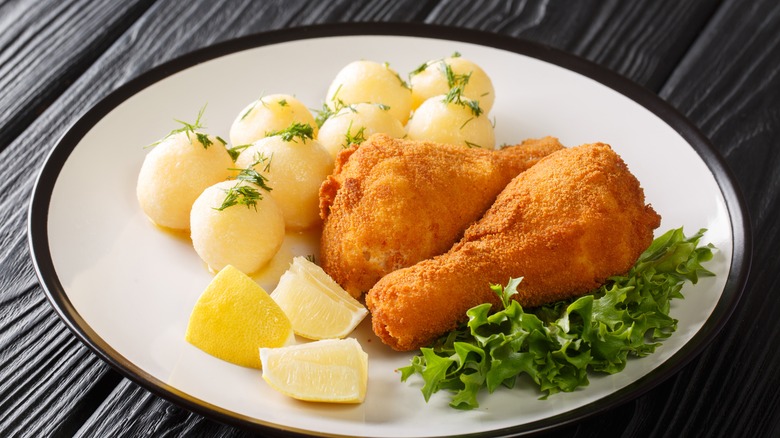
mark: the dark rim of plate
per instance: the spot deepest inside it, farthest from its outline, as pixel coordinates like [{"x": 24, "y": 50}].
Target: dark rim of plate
[{"x": 39, "y": 208}]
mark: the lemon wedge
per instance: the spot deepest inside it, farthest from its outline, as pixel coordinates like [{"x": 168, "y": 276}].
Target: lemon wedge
[
  {"x": 317, "y": 306},
  {"x": 234, "y": 317},
  {"x": 330, "y": 370}
]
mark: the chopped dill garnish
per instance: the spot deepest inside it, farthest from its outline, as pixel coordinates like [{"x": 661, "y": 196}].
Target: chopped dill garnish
[
  {"x": 190, "y": 129},
  {"x": 457, "y": 84},
  {"x": 403, "y": 82},
  {"x": 300, "y": 130},
  {"x": 422, "y": 67},
  {"x": 358, "y": 138},
  {"x": 241, "y": 194},
  {"x": 261, "y": 158},
  {"x": 282, "y": 102},
  {"x": 471, "y": 145},
  {"x": 235, "y": 151},
  {"x": 204, "y": 139},
  {"x": 383, "y": 107},
  {"x": 251, "y": 175},
  {"x": 248, "y": 110},
  {"x": 330, "y": 109},
  {"x": 323, "y": 114}
]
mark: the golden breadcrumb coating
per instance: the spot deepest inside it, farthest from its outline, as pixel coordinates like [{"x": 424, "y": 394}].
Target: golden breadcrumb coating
[
  {"x": 565, "y": 225},
  {"x": 391, "y": 203}
]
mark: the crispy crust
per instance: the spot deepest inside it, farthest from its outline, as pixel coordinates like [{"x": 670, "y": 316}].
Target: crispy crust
[
  {"x": 565, "y": 225},
  {"x": 391, "y": 203}
]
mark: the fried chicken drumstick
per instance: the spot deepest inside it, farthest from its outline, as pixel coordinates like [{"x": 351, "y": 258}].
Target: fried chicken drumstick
[
  {"x": 391, "y": 203},
  {"x": 565, "y": 225}
]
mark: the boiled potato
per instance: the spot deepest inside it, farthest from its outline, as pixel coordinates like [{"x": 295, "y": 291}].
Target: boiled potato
[
  {"x": 433, "y": 81},
  {"x": 245, "y": 236},
  {"x": 271, "y": 113},
  {"x": 295, "y": 170},
  {"x": 370, "y": 82},
  {"x": 451, "y": 122},
  {"x": 175, "y": 172},
  {"x": 356, "y": 123}
]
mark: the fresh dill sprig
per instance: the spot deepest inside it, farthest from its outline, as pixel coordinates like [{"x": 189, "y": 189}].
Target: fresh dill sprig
[
  {"x": 457, "y": 87},
  {"x": 261, "y": 158},
  {"x": 190, "y": 129},
  {"x": 235, "y": 151},
  {"x": 358, "y": 138},
  {"x": 282, "y": 102},
  {"x": 242, "y": 194},
  {"x": 303, "y": 131},
  {"x": 251, "y": 175},
  {"x": 400, "y": 79},
  {"x": 455, "y": 95},
  {"x": 424, "y": 66},
  {"x": 323, "y": 114},
  {"x": 330, "y": 109},
  {"x": 253, "y": 106}
]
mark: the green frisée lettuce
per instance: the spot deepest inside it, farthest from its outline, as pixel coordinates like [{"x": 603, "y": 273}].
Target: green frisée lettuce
[{"x": 557, "y": 345}]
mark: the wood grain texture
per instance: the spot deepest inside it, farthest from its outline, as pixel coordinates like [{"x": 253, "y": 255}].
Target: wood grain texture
[
  {"x": 642, "y": 41},
  {"x": 715, "y": 62},
  {"x": 45, "y": 46}
]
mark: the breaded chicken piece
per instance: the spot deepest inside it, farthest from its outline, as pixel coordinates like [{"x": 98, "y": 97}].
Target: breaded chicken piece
[
  {"x": 565, "y": 225},
  {"x": 391, "y": 203}
]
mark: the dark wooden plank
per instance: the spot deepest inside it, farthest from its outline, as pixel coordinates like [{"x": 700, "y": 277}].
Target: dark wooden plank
[
  {"x": 640, "y": 40},
  {"x": 45, "y": 46}
]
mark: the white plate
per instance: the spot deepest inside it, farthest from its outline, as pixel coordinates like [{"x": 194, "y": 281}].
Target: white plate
[{"x": 126, "y": 288}]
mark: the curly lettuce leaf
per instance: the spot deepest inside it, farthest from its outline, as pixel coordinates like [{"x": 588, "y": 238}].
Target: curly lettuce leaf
[{"x": 557, "y": 345}]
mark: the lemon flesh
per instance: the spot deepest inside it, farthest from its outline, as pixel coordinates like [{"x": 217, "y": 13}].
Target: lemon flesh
[
  {"x": 234, "y": 317},
  {"x": 330, "y": 370},
  {"x": 317, "y": 306}
]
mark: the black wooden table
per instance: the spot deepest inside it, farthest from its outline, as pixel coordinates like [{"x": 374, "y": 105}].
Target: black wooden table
[{"x": 717, "y": 62}]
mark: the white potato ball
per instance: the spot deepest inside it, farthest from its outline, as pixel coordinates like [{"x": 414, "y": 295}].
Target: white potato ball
[
  {"x": 433, "y": 81},
  {"x": 371, "y": 82},
  {"x": 245, "y": 236},
  {"x": 452, "y": 123},
  {"x": 175, "y": 172},
  {"x": 271, "y": 113},
  {"x": 295, "y": 170},
  {"x": 355, "y": 123}
]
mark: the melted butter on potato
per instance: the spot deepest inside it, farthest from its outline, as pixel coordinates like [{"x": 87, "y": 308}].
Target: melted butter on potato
[
  {"x": 271, "y": 113},
  {"x": 175, "y": 172},
  {"x": 295, "y": 170},
  {"x": 245, "y": 236},
  {"x": 355, "y": 123},
  {"x": 455, "y": 123},
  {"x": 433, "y": 81},
  {"x": 370, "y": 82}
]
